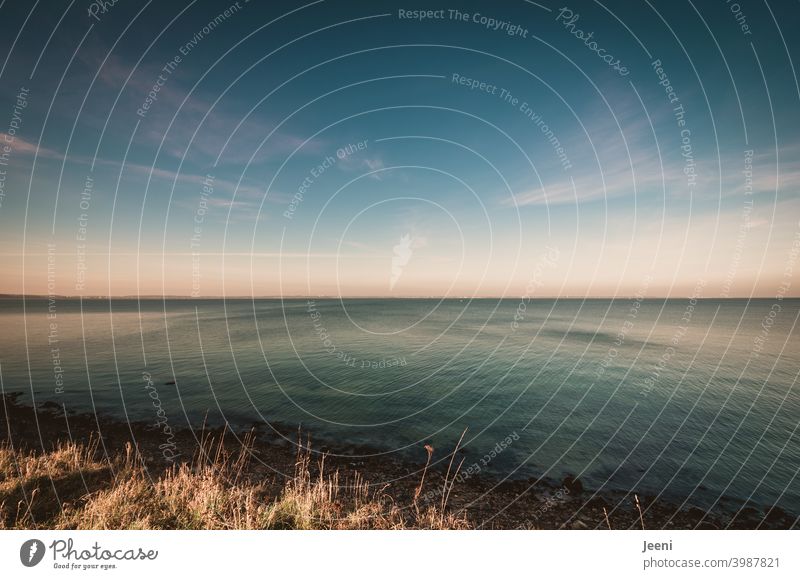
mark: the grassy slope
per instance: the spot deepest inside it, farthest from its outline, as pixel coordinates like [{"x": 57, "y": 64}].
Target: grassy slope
[{"x": 71, "y": 487}]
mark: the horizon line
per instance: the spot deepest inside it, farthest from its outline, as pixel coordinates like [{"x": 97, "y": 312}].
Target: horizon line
[{"x": 381, "y": 297}]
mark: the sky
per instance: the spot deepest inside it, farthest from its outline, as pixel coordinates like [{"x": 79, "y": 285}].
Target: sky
[{"x": 587, "y": 149}]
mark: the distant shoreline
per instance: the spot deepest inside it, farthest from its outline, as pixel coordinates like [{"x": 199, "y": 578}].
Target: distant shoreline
[{"x": 387, "y": 298}]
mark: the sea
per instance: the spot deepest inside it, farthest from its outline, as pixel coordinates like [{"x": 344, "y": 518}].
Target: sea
[{"x": 692, "y": 400}]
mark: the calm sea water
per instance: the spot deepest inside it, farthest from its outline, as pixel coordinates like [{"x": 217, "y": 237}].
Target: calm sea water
[{"x": 693, "y": 402}]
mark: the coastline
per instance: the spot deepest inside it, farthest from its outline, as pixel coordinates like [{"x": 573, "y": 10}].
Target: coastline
[{"x": 478, "y": 501}]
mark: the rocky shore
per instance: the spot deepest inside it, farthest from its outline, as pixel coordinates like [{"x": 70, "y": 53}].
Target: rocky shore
[{"x": 484, "y": 502}]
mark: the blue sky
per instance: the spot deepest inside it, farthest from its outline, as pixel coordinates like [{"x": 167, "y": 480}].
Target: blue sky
[{"x": 482, "y": 190}]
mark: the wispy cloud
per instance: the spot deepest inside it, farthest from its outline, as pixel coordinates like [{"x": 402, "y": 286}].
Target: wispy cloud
[
  {"x": 357, "y": 163},
  {"x": 21, "y": 146},
  {"x": 222, "y": 133},
  {"x": 630, "y": 162}
]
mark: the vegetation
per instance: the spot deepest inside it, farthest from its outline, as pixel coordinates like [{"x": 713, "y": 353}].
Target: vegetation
[{"x": 75, "y": 487}]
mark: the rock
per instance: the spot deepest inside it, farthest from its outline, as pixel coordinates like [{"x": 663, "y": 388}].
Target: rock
[
  {"x": 696, "y": 513},
  {"x": 707, "y": 526},
  {"x": 578, "y": 524},
  {"x": 745, "y": 518},
  {"x": 776, "y": 516},
  {"x": 51, "y": 407},
  {"x": 598, "y": 503},
  {"x": 748, "y": 513},
  {"x": 573, "y": 484}
]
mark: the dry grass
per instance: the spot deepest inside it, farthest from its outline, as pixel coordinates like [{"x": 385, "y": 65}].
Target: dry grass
[{"x": 72, "y": 487}]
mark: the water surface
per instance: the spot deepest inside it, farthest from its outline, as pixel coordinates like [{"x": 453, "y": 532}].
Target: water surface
[{"x": 696, "y": 402}]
